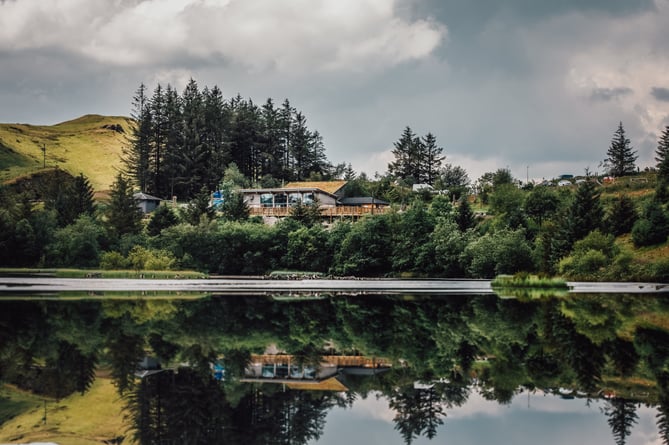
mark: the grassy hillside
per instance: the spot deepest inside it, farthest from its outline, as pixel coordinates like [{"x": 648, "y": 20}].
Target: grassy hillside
[
  {"x": 94, "y": 418},
  {"x": 91, "y": 145}
]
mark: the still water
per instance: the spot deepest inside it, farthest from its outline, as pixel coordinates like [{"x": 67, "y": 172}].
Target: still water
[{"x": 372, "y": 369}]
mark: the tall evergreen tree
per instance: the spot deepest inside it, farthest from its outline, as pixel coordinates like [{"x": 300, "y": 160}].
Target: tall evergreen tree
[
  {"x": 586, "y": 212},
  {"x": 621, "y": 158},
  {"x": 406, "y": 152},
  {"x": 622, "y": 416},
  {"x": 123, "y": 214},
  {"x": 662, "y": 156},
  {"x": 432, "y": 159},
  {"x": 137, "y": 156},
  {"x": 622, "y": 217},
  {"x": 194, "y": 155}
]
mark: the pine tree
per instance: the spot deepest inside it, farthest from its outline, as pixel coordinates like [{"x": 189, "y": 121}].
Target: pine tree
[
  {"x": 123, "y": 214},
  {"x": 586, "y": 212},
  {"x": 621, "y": 158},
  {"x": 464, "y": 217},
  {"x": 622, "y": 217},
  {"x": 137, "y": 157},
  {"x": 432, "y": 159},
  {"x": 406, "y": 148},
  {"x": 662, "y": 156}
]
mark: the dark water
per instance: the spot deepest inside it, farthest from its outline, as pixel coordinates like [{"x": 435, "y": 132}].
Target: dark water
[{"x": 373, "y": 369}]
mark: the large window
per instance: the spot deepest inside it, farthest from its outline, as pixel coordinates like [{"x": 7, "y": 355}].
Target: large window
[
  {"x": 267, "y": 200},
  {"x": 308, "y": 198},
  {"x": 280, "y": 200},
  {"x": 294, "y": 199}
]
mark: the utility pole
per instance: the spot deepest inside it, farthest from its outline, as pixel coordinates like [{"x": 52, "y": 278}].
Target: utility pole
[{"x": 44, "y": 153}]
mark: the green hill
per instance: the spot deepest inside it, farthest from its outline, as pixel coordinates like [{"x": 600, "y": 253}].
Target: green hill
[{"x": 91, "y": 144}]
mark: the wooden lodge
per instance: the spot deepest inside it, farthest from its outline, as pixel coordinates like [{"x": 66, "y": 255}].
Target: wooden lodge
[{"x": 277, "y": 202}]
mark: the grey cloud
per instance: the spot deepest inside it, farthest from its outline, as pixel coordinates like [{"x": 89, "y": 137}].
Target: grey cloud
[
  {"x": 660, "y": 93},
  {"x": 607, "y": 94}
]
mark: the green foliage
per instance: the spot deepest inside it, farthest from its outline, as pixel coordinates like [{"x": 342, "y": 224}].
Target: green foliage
[
  {"x": 307, "y": 250},
  {"x": 198, "y": 209},
  {"x": 162, "y": 218},
  {"x": 541, "y": 203},
  {"x": 113, "y": 260},
  {"x": 622, "y": 216},
  {"x": 416, "y": 160},
  {"x": 586, "y": 212},
  {"x": 123, "y": 214},
  {"x": 652, "y": 228},
  {"x": 366, "y": 250},
  {"x": 78, "y": 244},
  {"x": 449, "y": 244},
  {"x": 621, "y": 158},
  {"x": 590, "y": 257},
  {"x": 412, "y": 250},
  {"x": 502, "y": 252},
  {"x": 662, "y": 157}
]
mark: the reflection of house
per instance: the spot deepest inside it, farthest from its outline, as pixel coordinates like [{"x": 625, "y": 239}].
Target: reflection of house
[
  {"x": 276, "y": 202},
  {"x": 282, "y": 368},
  {"x": 146, "y": 202}
]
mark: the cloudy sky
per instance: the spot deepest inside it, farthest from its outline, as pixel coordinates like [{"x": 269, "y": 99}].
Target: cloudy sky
[{"x": 538, "y": 87}]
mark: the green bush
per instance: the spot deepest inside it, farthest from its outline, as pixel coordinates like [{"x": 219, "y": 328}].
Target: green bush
[{"x": 113, "y": 261}]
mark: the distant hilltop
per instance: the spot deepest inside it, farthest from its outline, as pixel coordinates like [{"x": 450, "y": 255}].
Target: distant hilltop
[{"x": 91, "y": 144}]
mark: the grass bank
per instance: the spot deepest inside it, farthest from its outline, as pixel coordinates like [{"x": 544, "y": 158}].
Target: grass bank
[
  {"x": 94, "y": 418},
  {"x": 99, "y": 273}
]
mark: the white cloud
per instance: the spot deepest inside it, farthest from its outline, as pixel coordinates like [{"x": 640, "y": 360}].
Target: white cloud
[{"x": 289, "y": 36}]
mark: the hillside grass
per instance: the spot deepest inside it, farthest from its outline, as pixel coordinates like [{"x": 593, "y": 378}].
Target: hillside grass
[
  {"x": 91, "y": 145},
  {"x": 93, "y": 418}
]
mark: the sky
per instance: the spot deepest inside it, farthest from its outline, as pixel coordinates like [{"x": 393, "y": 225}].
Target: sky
[
  {"x": 536, "y": 87},
  {"x": 527, "y": 420}
]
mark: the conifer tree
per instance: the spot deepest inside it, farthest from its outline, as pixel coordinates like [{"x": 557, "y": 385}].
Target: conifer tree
[
  {"x": 586, "y": 212},
  {"x": 123, "y": 214},
  {"x": 621, "y": 158},
  {"x": 137, "y": 156},
  {"x": 662, "y": 156},
  {"x": 432, "y": 159},
  {"x": 622, "y": 217}
]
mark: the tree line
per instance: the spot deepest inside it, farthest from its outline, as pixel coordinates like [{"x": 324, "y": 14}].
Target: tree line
[{"x": 184, "y": 142}]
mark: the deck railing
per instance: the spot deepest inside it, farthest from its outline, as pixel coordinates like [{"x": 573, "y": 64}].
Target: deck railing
[
  {"x": 337, "y": 360},
  {"x": 339, "y": 211}
]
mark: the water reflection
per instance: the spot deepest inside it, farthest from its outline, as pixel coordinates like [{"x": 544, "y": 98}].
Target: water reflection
[{"x": 214, "y": 380}]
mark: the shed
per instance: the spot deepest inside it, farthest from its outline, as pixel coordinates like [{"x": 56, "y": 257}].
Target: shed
[{"x": 146, "y": 203}]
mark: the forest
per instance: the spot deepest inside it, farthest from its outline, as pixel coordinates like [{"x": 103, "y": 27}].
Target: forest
[{"x": 192, "y": 143}]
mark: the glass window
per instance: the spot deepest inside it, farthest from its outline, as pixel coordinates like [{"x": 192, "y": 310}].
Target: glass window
[
  {"x": 294, "y": 199},
  {"x": 308, "y": 198},
  {"x": 267, "y": 200},
  {"x": 280, "y": 200}
]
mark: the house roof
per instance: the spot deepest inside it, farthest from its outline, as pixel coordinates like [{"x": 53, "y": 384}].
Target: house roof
[
  {"x": 144, "y": 197},
  {"x": 362, "y": 200},
  {"x": 331, "y": 187}
]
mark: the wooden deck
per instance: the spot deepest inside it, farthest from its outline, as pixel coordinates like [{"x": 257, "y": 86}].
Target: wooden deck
[
  {"x": 336, "y": 360},
  {"x": 326, "y": 212}
]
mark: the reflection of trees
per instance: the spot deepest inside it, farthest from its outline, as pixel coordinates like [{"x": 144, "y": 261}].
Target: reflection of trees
[
  {"x": 177, "y": 407},
  {"x": 419, "y": 408},
  {"x": 280, "y": 417},
  {"x": 418, "y": 411},
  {"x": 622, "y": 416},
  {"x": 663, "y": 414},
  {"x": 575, "y": 349}
]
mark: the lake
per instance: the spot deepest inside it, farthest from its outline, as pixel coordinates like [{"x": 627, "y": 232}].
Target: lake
[{"x": 372, "y": 364}]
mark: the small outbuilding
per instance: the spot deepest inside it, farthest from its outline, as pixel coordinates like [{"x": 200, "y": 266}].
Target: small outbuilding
[{"x": 146, "y": 203}]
